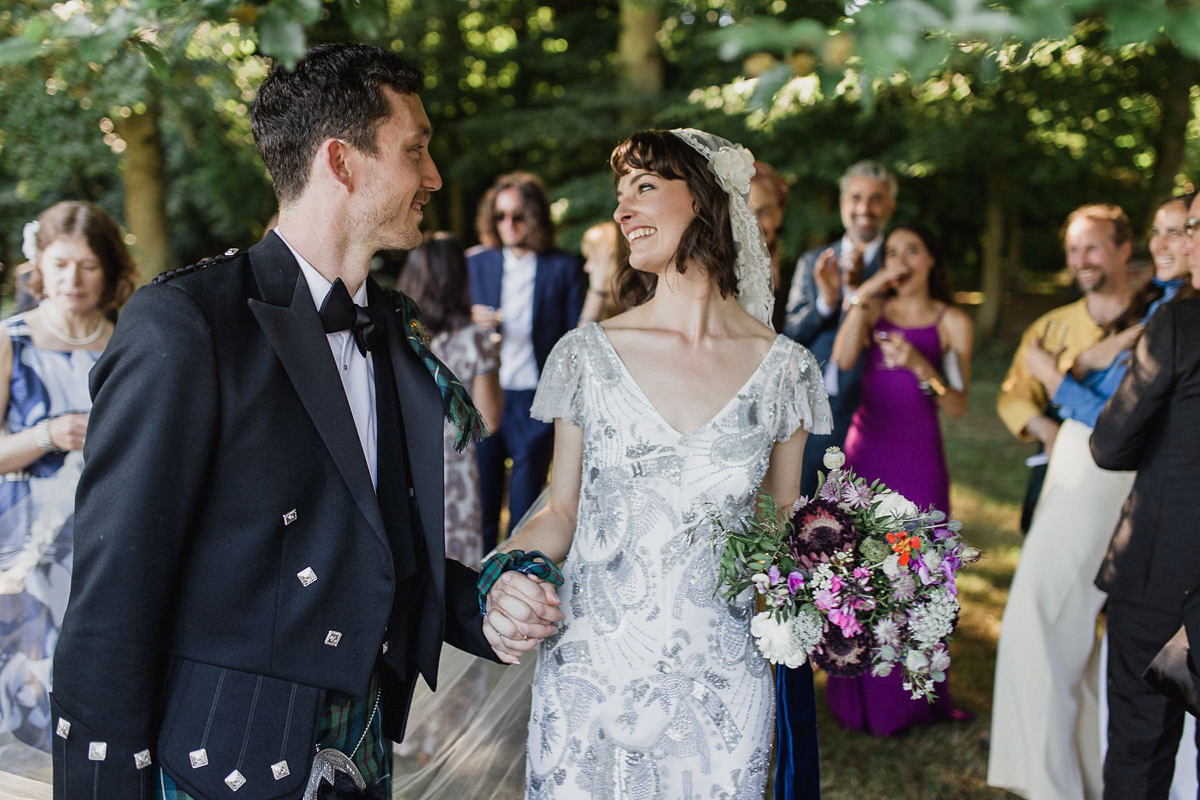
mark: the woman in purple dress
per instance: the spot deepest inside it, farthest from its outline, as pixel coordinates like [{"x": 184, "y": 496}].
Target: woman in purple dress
[{"x": 918, "y": 360}]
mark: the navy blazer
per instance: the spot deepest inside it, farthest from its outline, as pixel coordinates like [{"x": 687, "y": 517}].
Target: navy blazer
[
  {"x": 1152, "y": 424},
  {"x": 806, "y": 325},
  {"x": 558, "y": 291},
  {"x": 232, "y": 561}
]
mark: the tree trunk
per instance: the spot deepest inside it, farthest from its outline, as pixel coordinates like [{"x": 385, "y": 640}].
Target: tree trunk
[
  {"x": 987, "y": 319},
  {"x": 1176, "y": 107},
  {"x": 1176, "y": 104},
  {"x": 638, "y": 54},
  {"x": 145, "y": 189}
]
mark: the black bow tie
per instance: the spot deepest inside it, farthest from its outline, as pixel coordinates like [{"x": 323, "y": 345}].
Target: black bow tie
[{"x": 339, "y": 313}]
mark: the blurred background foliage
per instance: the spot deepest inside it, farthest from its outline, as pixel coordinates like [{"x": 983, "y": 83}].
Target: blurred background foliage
[{"x": 999, "y": 117}]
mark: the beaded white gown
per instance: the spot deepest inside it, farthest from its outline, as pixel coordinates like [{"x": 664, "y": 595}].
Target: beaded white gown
[{"x": 653, "y": 687}]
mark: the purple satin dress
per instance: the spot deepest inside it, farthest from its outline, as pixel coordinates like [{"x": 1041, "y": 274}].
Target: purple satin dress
[{"x": 895, "y": 437}]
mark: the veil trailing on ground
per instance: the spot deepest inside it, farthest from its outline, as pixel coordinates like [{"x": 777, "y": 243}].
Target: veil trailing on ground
[{"x": 464, "y": 742}]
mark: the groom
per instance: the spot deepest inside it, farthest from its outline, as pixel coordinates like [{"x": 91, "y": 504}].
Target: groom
[{"x": 259, "y": 571}]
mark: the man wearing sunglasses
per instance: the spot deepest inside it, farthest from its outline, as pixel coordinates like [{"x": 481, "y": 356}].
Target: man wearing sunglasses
[{"x": 529, "y": 293}]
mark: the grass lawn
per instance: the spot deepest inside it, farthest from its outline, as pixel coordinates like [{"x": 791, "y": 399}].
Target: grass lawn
[{"x": 949, "y": 761}]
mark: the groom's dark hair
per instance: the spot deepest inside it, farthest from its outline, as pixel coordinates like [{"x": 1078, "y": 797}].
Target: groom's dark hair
[{"x": 334, "y": 92}]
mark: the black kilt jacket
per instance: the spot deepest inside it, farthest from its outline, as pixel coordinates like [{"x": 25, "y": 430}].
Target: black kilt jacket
[{"x": 233, "y": 563}]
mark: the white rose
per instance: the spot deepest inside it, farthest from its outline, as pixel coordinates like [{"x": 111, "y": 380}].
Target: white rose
[
  {"x": 916, "y": 661},
  {"x": 733, "y": 168},
  {"x": 891, "y": 565},
  {"x": 776, "y": 640},
  {"x": 895, "y": 505}
]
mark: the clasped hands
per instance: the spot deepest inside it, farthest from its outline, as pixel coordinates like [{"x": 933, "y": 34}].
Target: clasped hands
[{"x": 522, "y": 610}]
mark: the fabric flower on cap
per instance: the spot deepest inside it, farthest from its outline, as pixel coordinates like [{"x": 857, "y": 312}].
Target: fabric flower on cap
[{"x": 733, "y": 167}]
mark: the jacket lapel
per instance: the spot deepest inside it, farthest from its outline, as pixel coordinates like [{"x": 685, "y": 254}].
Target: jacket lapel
[
  {"x": 421, "y": 412},
  {"x": 291, "y": 325}
]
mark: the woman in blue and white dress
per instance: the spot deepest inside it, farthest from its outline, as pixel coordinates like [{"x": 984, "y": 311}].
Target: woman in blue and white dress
[{"x": 81, "y": 271}]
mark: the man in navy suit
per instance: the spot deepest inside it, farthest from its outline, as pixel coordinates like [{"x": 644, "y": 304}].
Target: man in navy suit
[
  {"x": 824, "y": 279},
  {"x": 530, "y": 293},
  {"x": 259, "y": 566}
]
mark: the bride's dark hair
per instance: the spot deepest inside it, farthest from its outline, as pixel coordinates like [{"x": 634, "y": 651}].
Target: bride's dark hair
[{"x": 708, "y": 239}]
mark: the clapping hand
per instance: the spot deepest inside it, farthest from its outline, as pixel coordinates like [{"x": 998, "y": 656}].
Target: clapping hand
[
  {"x": 827, "y": 275},
  {"x": 521, "y": 611}
]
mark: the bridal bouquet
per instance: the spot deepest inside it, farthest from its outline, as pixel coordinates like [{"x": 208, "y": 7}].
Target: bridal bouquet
[{"x": 860, "y": 579}]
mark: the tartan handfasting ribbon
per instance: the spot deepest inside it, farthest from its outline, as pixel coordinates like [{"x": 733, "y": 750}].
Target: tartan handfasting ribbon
[
  {"x": 456, "y": 401},
  {"x": 535, "y": 562}
]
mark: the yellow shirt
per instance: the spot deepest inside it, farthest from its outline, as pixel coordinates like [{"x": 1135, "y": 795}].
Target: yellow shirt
[{"x": 1069, "y": 328}]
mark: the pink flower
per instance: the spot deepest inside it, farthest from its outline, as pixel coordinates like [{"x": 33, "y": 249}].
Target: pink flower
[
  {"x": 825, "y": 599},
  {"x": 846, "y": 621},
  {"x": 773, "y": 574}
]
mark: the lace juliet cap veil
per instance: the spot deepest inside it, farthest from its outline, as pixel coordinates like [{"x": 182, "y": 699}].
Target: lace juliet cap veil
[{"x": 733, "y": 167}]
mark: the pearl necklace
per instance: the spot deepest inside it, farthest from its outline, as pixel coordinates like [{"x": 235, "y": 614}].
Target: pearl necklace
[{"x": 65, "y": 337}]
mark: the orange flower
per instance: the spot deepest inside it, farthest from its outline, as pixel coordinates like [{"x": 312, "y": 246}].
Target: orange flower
[{"x": 903, "y": 546}]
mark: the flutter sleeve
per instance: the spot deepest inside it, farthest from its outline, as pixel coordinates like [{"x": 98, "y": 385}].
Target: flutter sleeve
[
  {"x": 560, "y": 389},
  {"x": 803, "y": 402}
]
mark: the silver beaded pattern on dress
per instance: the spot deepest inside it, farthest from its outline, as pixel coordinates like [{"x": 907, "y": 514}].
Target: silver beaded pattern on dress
[{"x": 653, "y": 688}]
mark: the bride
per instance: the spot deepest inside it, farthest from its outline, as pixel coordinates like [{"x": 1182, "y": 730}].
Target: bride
[{"x": 685, "y": 404}]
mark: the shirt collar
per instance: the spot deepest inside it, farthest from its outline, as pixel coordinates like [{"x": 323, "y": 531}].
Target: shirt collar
[{"x": 318, "y": 285}]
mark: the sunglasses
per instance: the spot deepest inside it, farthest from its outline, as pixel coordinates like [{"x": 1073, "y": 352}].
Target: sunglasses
[{"x": 515, "y": 216}]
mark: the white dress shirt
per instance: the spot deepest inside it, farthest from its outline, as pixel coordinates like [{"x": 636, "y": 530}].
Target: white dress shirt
[
  {"x": 356, "y": 370},
  {"x": 518, "y": 364}
]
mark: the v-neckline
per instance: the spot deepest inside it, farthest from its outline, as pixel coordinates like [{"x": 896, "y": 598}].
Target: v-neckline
[{"x": 646, "y": 398}]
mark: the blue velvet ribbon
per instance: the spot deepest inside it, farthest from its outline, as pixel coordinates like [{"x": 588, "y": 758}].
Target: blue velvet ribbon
[{"x": 797, "y": 765}]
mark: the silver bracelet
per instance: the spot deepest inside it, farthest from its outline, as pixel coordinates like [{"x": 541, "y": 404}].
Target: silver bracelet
[{"x": 41, "y": 434}]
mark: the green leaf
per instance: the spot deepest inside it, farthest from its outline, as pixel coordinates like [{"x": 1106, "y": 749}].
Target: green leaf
[
  {"x": 368, "y": 18},
  {"x": 1184, "y": 28},
  {"x": 281, "y": 38},
  {"x": 1141, "y": 24},
  {"x": 18, "y": 50}
]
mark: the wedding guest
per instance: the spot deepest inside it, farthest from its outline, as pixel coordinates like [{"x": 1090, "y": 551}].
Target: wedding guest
[
  {"x": 918, "y": 362},
  {"x": 768, "y": 199},
  {"x": 1044, "y": 741},
  {"x": 688, "y": 400},
  {"x": 822, "y": 278},
  {"x": 1170, "y": 273},
  {"x": 603, "y": 252},
  {"x": 1150, "y": 425},
  {"x": 80, "y": 270},
  {"x": 529, "y": 293}
]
